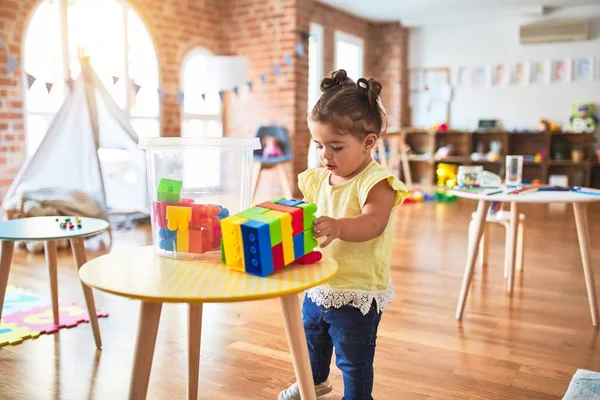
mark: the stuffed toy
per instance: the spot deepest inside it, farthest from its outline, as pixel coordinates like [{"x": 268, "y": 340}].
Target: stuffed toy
[
  {"x": 271, "y": 148},
  {"x": 583, "y": 118}
]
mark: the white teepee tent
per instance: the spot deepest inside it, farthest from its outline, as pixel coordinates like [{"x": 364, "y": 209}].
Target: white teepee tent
[{"x": 67, "y": 167}]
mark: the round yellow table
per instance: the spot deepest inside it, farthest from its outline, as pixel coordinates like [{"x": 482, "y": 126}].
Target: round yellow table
[{"x": 139, "y": 273}]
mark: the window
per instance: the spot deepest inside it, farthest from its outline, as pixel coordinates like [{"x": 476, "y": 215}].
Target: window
[
  {"x": 61, "y": 29},
  {"x": 201, "y": 115},
  {"x": 349, "y": 52},
  {"x": 315, "y": 64}
]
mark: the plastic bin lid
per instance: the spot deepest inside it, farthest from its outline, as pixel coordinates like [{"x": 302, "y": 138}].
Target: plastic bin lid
[{"x": 252, "y": 143}]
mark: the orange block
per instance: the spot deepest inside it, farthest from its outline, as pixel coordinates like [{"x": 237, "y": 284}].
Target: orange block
[{"x": 196, "y": 241}]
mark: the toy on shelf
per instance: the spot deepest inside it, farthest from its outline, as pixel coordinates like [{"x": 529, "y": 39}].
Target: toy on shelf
[
  {"x": 269, "y": 236},
  {"x": 441, "y": 128},
  {"x": 186, "y": 227},
  {"x": 271, "y": 147},
  {"x": 583, "y": 118},
  {"x": 495, "y": 153},
  {"x": 547, "y": 126}
]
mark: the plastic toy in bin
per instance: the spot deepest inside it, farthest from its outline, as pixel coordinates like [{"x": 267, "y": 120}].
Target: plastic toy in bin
[
  {"x": 186, "y": 227},
  {"x": 270, "y": 236}
]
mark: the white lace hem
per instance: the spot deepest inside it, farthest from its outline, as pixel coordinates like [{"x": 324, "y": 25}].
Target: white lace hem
[{"x": 329, "y": 297}]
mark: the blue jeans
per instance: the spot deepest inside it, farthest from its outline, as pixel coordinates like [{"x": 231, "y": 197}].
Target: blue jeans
[{"x": 353, "y": 336}]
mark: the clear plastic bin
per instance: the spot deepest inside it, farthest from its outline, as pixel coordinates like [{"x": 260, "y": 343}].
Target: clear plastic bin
[{"x": 193, "y": 183}]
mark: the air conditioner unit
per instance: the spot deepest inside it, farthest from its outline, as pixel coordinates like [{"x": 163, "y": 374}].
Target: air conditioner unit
[{"x": 554, "y": 31}]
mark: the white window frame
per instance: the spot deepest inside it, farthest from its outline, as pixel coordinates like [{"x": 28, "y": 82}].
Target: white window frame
[
  {"x": 314, "y": 84},
  {"x": 194, "y": 116},
  {"x": 63, "y": 6},
  {"x": 340, "y": 36}
]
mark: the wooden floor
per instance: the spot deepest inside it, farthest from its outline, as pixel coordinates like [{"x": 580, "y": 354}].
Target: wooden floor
[{"x": 522, "y": 347}]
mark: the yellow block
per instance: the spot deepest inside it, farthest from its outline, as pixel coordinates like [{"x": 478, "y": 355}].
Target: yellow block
[
  {"x": 232, "y": 241},
  {"x": 183, "y": 241},
  {"x": 178, "y": 218},
  {"x": 287, "y": 234}
]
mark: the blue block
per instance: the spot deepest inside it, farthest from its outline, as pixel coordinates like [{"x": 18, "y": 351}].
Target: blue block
[
  {"x": 256, "y": 239},
  {"x": 298, "y": 245},
  {"x": 224, "y": 213},
  {"x": 167, "y": 244},
  {"x": 290, "y": 202},
  {"x": 165, "y": 233}
]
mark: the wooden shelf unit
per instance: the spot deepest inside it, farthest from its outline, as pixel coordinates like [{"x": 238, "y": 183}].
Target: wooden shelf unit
[{"x": 424, "y": 145}]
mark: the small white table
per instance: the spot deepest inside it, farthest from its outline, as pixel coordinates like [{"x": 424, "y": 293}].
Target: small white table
[
  {"x": 48, "y": 229},
  {"x": 578, "y": 200}
]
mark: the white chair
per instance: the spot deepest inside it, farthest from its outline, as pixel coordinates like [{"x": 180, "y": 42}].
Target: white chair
[{"x": 503, "y": 218}]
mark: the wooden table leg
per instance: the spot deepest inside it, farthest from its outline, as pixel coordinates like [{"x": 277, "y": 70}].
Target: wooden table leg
[
  {"x": 292, "y": 320},
  {"x": 514, "y": 228},
  {"x": 51, "y": 262},
  {"x": 583, "y": 233},
  {"x": 144, "y": 349},
  {"x": 194, "y": 338},
  {"x": 80, "y": 259},
  {"x": 482, "y": 210},
  {"x": 5, "y": 259}
]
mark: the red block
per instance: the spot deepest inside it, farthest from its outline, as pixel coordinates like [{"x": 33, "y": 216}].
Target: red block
[
  {"x": 159, "y": 212},
  {"x": 217, "y": 235},
  {"x": 278, "y": 262},
  {"x": 200, "y": 212},
  {"x": 207, "y": 242},
  {"x": 310, "y": 258},
  {"x": 296, "y": 212},
  {"x": 196, "y": 241}
]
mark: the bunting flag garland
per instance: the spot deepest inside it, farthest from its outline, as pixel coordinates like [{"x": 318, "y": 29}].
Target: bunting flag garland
[
  {"x": 13, "y": 64},
  {"x": 30, "y": 80}
]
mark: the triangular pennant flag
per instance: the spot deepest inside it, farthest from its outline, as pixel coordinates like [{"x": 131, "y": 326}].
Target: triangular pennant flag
[
  {"x": 249, "y": 83},
  {"x": 48, "y": 86},
  {"x": 180, "y": 97},
  {"x": 288, "y": 59},
  {"x": 304, "y": 36},
  {"x": 221, "y": 94},
  {"x": 70, "y": 83},
  {"x": 161, "y": 94},
  {"x": 115, "y": 79},
  {"x": 203, "y": 96},
  {"x": 277, "y": 69},
  {"x": 300, "y": 49},
  {"x": 30, "y": 80},
  {"x": 235, "y": 90},
  {"x": 136, "y": 87},
  {"x": 1, "y": 42},
  {"x": 263, "y": 78},
  {"x": 12, "y": 64}
]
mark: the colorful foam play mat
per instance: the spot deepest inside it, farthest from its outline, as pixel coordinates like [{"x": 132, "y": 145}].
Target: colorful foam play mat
[{"x": 27, "y": 315}]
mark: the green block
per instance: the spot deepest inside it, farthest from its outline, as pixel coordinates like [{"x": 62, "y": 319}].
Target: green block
[
  {"x": 274, "y": 224},
  {"x": 310, "y": 243},
  {"x": 308, "y": 213},
  {"x": 256, "y": 210},
  {"x": 169, "y": 190},
  {"x": 223, "y": 252},
  {"x": 277, "y": 199}
]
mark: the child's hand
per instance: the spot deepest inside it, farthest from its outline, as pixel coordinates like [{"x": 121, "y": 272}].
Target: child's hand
[{"x": 328, "y": 227}]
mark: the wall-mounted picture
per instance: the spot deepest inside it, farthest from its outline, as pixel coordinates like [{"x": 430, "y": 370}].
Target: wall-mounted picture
[
  {"x": 462, "y": 76},
  {"x": 540, "y": 72},
  {"x": 561, "y": 70},
  {"x": 500, "y": 75},
  {"x": 481, "y": 76},
  {"x": 583, "y": 69},
  {"x": 520, "y": 73}
]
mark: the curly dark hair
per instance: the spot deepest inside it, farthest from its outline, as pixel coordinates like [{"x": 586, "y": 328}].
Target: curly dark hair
[{"x": 351, "y": 108}]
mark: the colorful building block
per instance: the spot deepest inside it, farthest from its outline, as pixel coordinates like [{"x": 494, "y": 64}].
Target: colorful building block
[
  {"x": 258, "y": 257},
  {"x": 289, "y": 203},
  {"x": 168, "y": 244},
  {"x": 274, "y": 223},
  {"x": 295, "y": 212},
  {"x": 286, "y": 234},
  {"x": 165, "y": 233},
  {"x": 278, "y": 261},
  {"x": 178, "y": 218},
  {"x": 308, "y": 215},
  {"x": 310, "y": 258},
  {"x": 195, "y": 241},
  {"x": 169, "y": 190},
  {"x": 298, "y": 245},
  {"x": 310, "y": 243},
  {"x": 202, "y": 211},
  {"x": 183, "y": 241},
  {"x": 223, "y": 258},
  {"x": 232, "y": 241}
]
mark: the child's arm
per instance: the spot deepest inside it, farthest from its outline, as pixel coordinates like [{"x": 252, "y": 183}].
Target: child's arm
[{"x": 366, "y": 226}]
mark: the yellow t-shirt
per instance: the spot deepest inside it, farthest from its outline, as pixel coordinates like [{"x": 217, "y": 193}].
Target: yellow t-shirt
[{"x": 363, "y": 267}]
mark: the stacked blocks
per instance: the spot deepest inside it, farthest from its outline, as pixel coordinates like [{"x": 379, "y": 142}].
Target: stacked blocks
[
  {"x": 269, "y": 236},
  {"x": 184, "y": 226}
]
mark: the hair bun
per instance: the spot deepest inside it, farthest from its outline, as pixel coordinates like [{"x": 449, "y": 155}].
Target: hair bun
[
  {"x": 372, "y": 88},
  {"x": 337, "y": 78}
]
